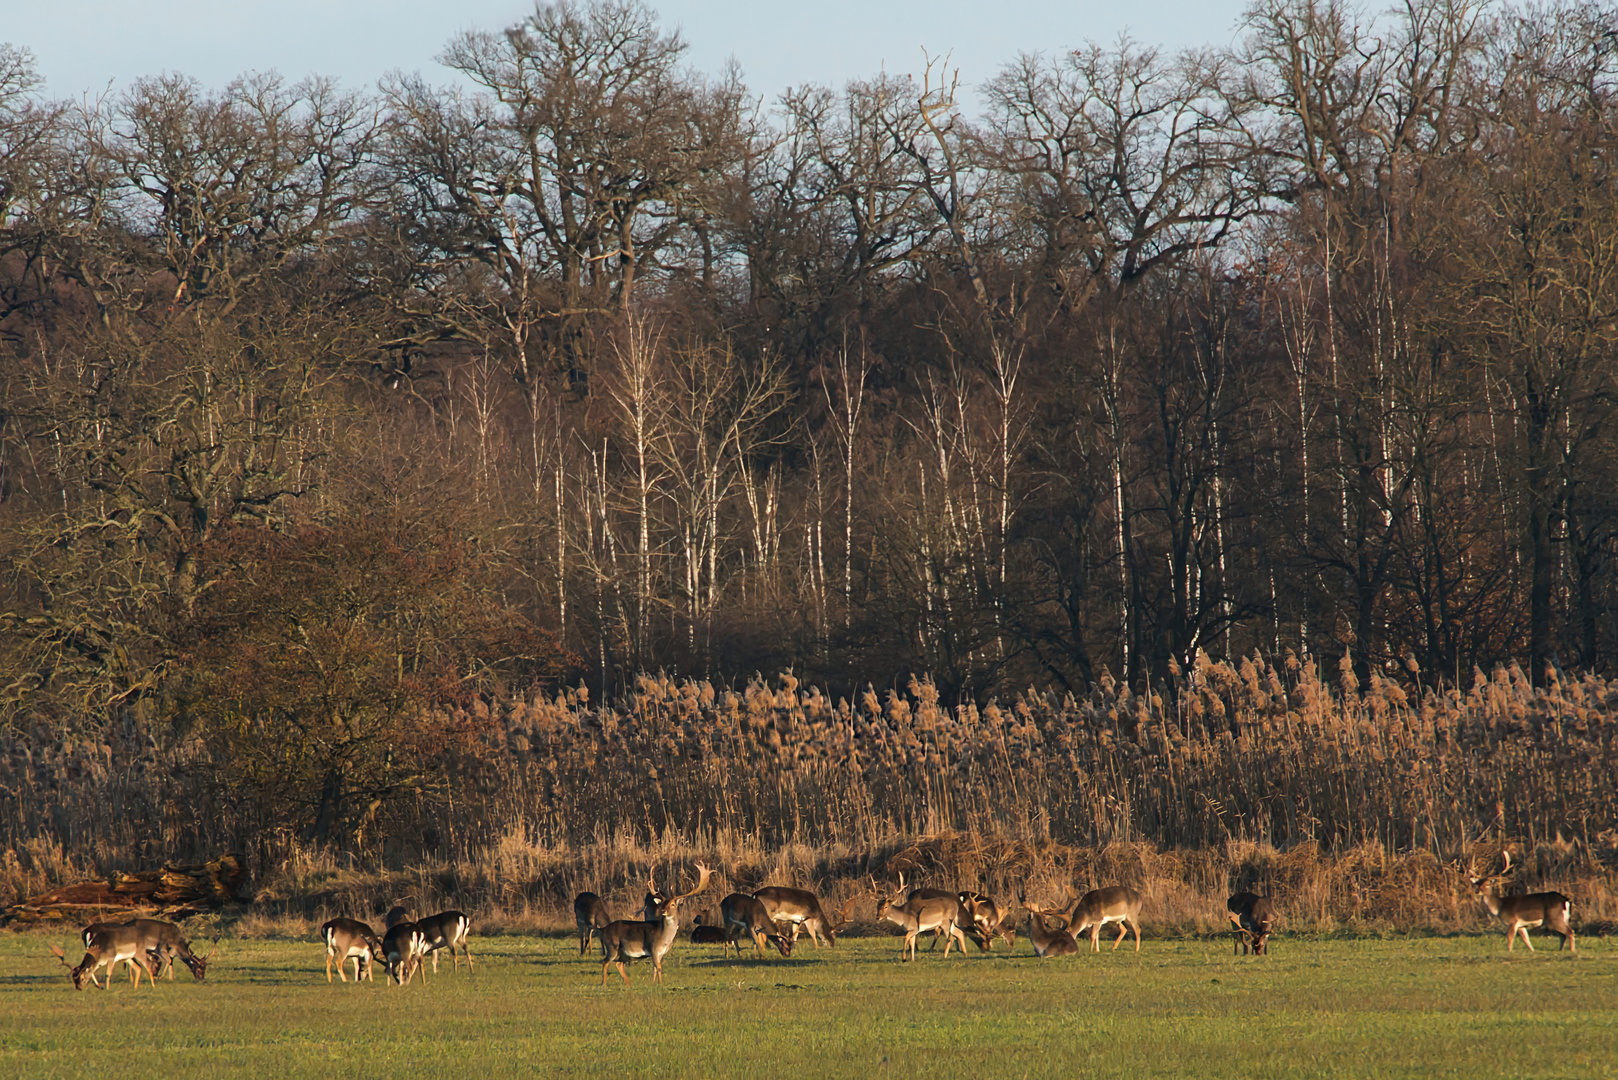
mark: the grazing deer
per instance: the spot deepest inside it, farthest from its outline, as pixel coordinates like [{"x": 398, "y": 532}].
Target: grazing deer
[
  {"x": 931, "y": 894},
  {"x": 1097, "y": 908},
  {"x": 710, "y": 935},
  {"x": 350, "y": 939},
  {"x": 919, "y": 914},
  {"x": 1521, "y": 913},
  {"x": 110, "y": 947},
  {"x": 742, "y": 914},
  {"x": 590, "y": 913},
  {"x": 403, "y": 946},
  {"x": 623, "y": 940},
  {"x": 447, "y": 930},
  {"x": 164, "y": 944},
  {"x": 1252, "y": 916},
  {"x": 801, "y": 908},
  {"x": 1048, "y": 942},
  {"x": 989, "y": 920}
]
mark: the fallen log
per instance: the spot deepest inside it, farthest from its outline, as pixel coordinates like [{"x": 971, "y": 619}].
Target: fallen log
[{"x": 173, "y": 892}]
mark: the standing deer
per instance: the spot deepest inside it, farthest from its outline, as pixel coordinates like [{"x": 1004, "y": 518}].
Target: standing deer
[
  {"x": 1097, "y": 908},
  {"x": 350, "y": 939},
  {"x": 1048, "y": 942},
  {"x": 110, "y": 947},
  {"x": 590, "y": 914},
  {"x": 1252, "y": 916},
  {"x": 1521, "y": 913},
  {"x": 447, "y": 930},
  {"x": 403, "y": 946},
  {"x": 919, "y": 914},
  {"x": 623, "y": 940},
  {"x": 742, "y": 914}
]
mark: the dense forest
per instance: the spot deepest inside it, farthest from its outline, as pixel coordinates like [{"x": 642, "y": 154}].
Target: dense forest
[{"x": 326, "y": 411}]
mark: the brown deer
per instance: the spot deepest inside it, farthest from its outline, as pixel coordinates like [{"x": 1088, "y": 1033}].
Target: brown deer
[
  {"x": 1252, "y": 916},
  {"x": 110, "y": 946},
  {"x": 988, "y": 920},
  {"x": 742, "y": 914},
  {"x": 1521, "y": 913},
  {"x": 164, "y": 944},
  {"x": 1097, "y": 908},
  {"x": 350, "y": 939},
  {"x": 918, "y": 914},
  {"x": 624, "y": 940},
  {"x": 801, "y": 908},
  {"x": 590, "y": 914},
  {"x": 702, "y": 934},
  {"x": 1048, "y": 942},
  {"x": 403, "y": 947},
  {"x": 447, "y": 930}
]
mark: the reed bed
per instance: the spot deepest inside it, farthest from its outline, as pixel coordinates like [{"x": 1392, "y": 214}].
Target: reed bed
[{"x": 1359, "y": 804}]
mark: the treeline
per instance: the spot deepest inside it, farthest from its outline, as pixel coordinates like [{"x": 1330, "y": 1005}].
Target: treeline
[{"x": 324, "y": 405}]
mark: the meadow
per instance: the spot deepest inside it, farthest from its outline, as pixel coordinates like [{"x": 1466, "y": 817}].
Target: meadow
[{"x": 1316, "y": 1006}]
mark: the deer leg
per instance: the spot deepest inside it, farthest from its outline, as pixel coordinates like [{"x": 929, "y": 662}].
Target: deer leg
[{"x": 622, "y": 974}]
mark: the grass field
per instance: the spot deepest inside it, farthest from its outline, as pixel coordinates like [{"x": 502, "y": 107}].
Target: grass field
[{"x": 1419, "y": 1007}]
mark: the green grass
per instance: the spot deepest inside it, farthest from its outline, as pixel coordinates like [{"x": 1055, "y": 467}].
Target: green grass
[{"x": 1419, "y": 1007}]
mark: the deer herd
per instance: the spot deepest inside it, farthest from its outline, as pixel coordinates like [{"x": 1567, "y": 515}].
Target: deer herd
[{"x": 773, "y": 916}]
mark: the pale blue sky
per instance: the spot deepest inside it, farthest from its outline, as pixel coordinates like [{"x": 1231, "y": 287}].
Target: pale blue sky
[{"x": 82, "y": 44}]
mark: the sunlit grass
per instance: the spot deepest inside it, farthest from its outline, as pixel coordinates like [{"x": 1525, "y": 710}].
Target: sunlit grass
[{"x": 1419, "y": 1007}]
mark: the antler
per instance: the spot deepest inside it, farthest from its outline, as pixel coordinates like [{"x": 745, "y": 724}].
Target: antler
[
  {"x": 57, "y": 949},
  {"x": 212, "y": 950},
  {"x": 703, "y": 874}
]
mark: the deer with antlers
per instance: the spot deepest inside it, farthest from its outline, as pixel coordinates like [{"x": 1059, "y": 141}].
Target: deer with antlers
[
  {"x": 1097, "y": 908},
  {"x": 1551, "y": 910},
  {"x": 624, "y": 940},
  {"x": 109, "y": 947},
  {"x": 919, "y": 914},
  {"x": 1251, "y": 915},
  {"x": 164, "y": 945},
  {"x": 1048, "y": 942}
]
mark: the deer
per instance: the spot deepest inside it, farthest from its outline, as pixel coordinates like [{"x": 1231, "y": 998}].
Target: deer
[
  {"x": 801, "y": 908},
  {"x": 403, "y": 947},
  {"x": 396, "y": 915},
  {"x": 110, "y": 946},
  {"x": 447, "y": 930},
  {"x": 1522, "y": 913},
  {"x": 590, "y": 913},
  {"x": 1048, "y": 943},
  {"x": 741, "y": 914},
  {"x": 989, "y": 920},
  {"x": 1252, "y": 916},
  {"x": 350, "y": 939},
  {"x": 1097, "y": 908},
  {"x": 624, "y": 940},
  {"x": 653, "y": 899},
  {"x": 164, "y": 943},
  {"x": 919, "y": 914},
  {"x": 703, "y": 934}
]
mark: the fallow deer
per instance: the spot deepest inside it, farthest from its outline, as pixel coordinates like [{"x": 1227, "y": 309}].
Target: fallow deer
[
  {"x": 1551, "y": 910},
  {"x": 403, "y": 947},
  {"x": 801, "y": 908},
  {"x": 624, "y": 940},
  {"x": 1097, "y": 908},
  {"x": 1252, "y": 916},
  {"x": 1048, "y": 942},
  {"x": 742, "y": 914},
  {"x": 590, "y": 914},
  {"x": 447, "y": 930},
  {"x": 109, "y": 947},
  {"x": 919, "y": 914},
  {"x": 350, "y": 939}
]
